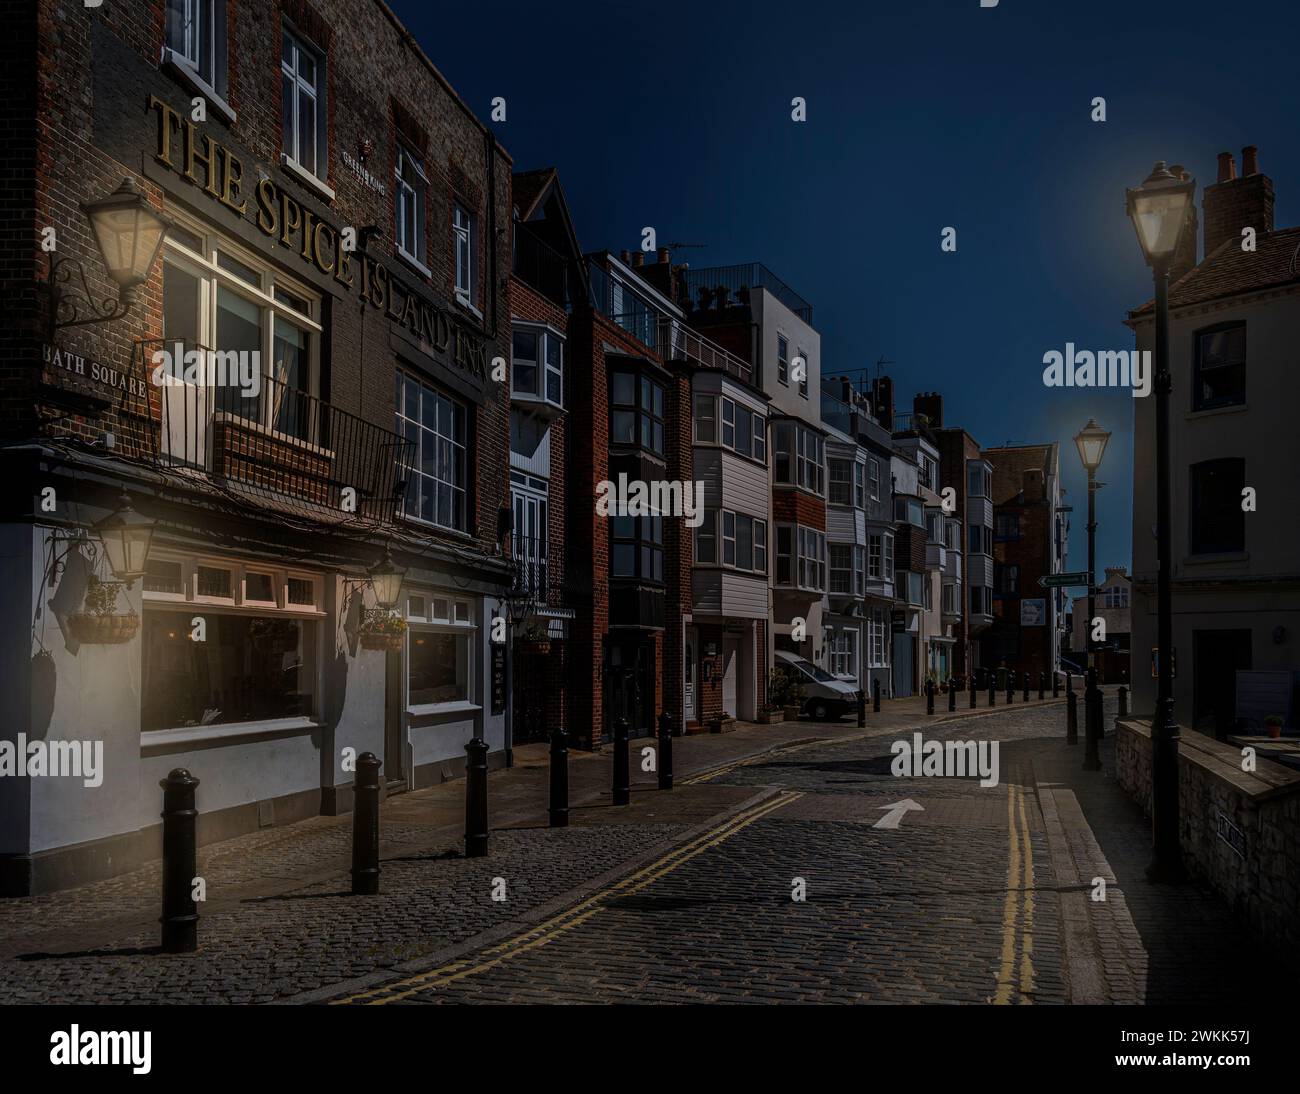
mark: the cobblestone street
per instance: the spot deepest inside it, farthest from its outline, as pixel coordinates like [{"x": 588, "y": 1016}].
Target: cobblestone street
[{"x": 982, "y": 895}]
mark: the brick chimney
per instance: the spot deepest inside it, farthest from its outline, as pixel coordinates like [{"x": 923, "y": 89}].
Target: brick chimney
[
  {"x": 1186, "y": 255},
  {"x": 929, "y": 403},
  {"x": 638, "y": 259},
  {"x": 663, "y": 255},
  {"x": 1233, "y": 203},
  {"x": 882, "y": 394}
]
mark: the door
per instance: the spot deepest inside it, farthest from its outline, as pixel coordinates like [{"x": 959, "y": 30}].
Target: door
[
  {"x": 730, "y": 670},
  {"x": 903, "y": 666},
  {"x": 1216, "y": 657}
]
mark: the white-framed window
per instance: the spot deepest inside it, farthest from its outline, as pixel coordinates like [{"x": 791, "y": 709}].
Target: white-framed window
[
  {"x": 412, "y": 189},
  {"x": 744, "y": 540},
  {"x": 841, "y": 481},
  {"x": 877, "y": 630},
  {"x": 257, "y": 657},
  {"x": 221, "y": 298},
  {"x": 859, "y": 570},
  {"x": 537, "y": 363},
  {"x": 841, "y": 561},
  {"x": 706, "y": 537},
  {"x": 873, "y": 477},
  {"x": 977, "y": 480},
  {"x": 799, "y": 456},
  {"x": 196, "y": 48},
  {"x": 927, "y": 592},
  {"x": 842, "y": 659},
  {"x": 706, "y": 419},
  {"x": 463, "y": 242},
  {"x": 807, "y": 368},
  {"x": 859, "y": 485},
  {"x": 528, "y": 544},
  {"x": 801, "y": 557},
  {"x": 439, "y": 650},
  {"x": 1116, "y": 596},
  {"x": 436, "y": 481},
  {"x": 783, "y": 359},
  {"x": 951, "y": 599},
  {"x": 302, "y": 105}
]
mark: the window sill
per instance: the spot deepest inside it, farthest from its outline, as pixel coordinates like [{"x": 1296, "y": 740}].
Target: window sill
[
  {"x": 1212, "y": 559},
  {"x": 460, "y": 706},
  {"x": 179, "y": 67},
  {"x": 536, "y": 404},
  {"x": 463, "y": 300},
  {"x": 1215, "y": 411},
  {"x": 413, "y": 262},
  {"x": 306, "y": 177},
  {"x": 193, "y": 735}
]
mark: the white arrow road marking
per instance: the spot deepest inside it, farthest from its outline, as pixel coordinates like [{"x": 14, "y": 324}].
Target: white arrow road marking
[{"x": 894, "y": 817}]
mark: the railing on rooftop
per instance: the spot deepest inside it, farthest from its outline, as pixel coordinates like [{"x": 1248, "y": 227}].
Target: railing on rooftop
[
  {"x": 538, "y": 264},
  {"x": 278, "y": 445},
  {"x": 746, "y": 275}
]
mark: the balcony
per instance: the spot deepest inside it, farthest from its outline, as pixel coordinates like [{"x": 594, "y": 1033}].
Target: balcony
[
  {"x": 279, "y": 448},
  {"x": 538, "y": 576},
  {"x": 736, "y": 282},
  {"x": 541, "y": 266}
]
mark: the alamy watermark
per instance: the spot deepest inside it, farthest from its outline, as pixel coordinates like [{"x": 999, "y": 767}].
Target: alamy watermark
[
  {"x": 918, "y": 758},
  {"x": 228, "y": 368},
  {"x": 61, "y": 759},
  {"x": 1106, "y": 368},
  {"x": 662, "y": 498}
]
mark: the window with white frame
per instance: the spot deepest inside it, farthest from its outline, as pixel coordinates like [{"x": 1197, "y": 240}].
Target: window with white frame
[
  {"x": 841, "y": 560},
  {"x": 537, "y": 364},
  {"x": 859, "y": 570},
  {"x": 802, "y": 358},
  {"x": 412, "y": 187},
  {"x": 744, "y": 541},
  {"x": 436, "y": 481},
  {"x": 195, "y": 42},
  {"x": 220, "y": 298},
  {"x": 859, "y": 485},
  {"x": 706, "y": 419},
  {"x": 743, "y": 430},
  {"x": 843, "y": 661},
  {"x": 440, "y": 649},
  {"x": 801, "y": 557},
  {"x": 462, "y": 227},
  {"x": 783, "y": 359},
  {"x": 257, "y": 660},
  {"x": 1116, "y": 596},
  {"x": 841, "y": 481},
  {"x": 302, "y": 84},
  {"x": 799, "y": 452},
  {"x": 706, "y": 537},
  {"x": 873, "y": 477},
  {"x": 877, "y": 629}
]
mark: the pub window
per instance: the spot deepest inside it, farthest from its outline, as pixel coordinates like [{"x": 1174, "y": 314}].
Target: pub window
[
  {"x": 463, "y": 240},
  {"x": 440, "y": 655},
  {"x": 302, "y": 72},
  {"x": 412, "y": 185},
  {"x": 221, "y": 299},
  {"x": 435, "y": 424},
  {"x": 1218, "y": 523},
  {"x": 195, "y": 47},
  {"x": 1220, "y": 378}
]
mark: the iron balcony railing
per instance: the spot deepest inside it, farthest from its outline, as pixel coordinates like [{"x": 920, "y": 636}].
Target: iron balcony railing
[
  {"x": 266, "y": 439},
  {"x": 538, "y": 264},
  {"x": 703, "y": 285},
  {"x": 540, "y": 573}
]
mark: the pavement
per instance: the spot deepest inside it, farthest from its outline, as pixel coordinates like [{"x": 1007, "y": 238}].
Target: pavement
[{"x": 984, "y": 894}]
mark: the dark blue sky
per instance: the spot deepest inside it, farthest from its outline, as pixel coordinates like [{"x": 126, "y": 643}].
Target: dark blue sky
[{"x": 921, "y": 114}]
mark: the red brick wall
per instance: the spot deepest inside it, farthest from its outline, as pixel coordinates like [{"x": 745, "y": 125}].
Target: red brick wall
[{"x": 796, "y": 507}]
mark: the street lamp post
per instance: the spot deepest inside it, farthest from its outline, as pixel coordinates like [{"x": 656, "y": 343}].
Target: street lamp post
[
  {"x": 1158, "y": 209},
  {"x": 1091, "y": 443}
]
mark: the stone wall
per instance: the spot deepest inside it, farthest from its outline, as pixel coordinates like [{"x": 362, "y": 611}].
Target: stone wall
[{"x": 1240, "y": 830}]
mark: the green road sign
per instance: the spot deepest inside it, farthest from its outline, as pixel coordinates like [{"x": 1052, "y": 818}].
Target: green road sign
[{"x": 1056, "y": 581}]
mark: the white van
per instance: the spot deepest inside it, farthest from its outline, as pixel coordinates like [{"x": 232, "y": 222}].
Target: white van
[{"x": 824, "y": 697}]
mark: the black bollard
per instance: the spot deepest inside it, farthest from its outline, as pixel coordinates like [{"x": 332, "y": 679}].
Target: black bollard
[
  {"x": 1011, "y": 686},
  {"x": 1024, "y": 695},
  {"x": 1092, "y": 723},
  {"x": 875, "y": 697},
  {"x": 1071, "y": 718},
  {"x": 665, "y": 751},
  {"x": 993, "y": 690},
  {"x": 180, "y": 915},
  {"x": 1069, "y": 682},
  {"x": 476, "y": 803},
  {"x": 559, "y": 778},
  {"x": 365, "y": 826},
  {"x": 929, "y": 697},
  {"x": 1056, "y": 685},
  {"x": 973, "y": 693},
  {"x": 862, "y": 707},
  {"x": 1042, "y": 685},
  {"x": 1123, "y": 701},
  {"x": 952, "y": 694},
  {"x": 620, "y": 790}
]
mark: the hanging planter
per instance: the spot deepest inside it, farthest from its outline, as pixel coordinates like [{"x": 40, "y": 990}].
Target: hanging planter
[
  {"x": 535, "y": 640},
  {"x": 98, "y": 624},
  {"x": 382, "y": 630}
]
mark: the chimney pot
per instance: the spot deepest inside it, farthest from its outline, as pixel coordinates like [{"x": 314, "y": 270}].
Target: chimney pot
[
  {"x": 1249, "y": 160},
  {"x": 638, "y": 258},
  {"x": 625, "y": 256},
  {"x": 1227, "y": 167},
  {"x": 662, "y": 254}
]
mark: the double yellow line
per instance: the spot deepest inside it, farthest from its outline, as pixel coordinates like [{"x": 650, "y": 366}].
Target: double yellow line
[
  {"x": 1018, "y": 909},
  {"x": 560, "y": 924}
]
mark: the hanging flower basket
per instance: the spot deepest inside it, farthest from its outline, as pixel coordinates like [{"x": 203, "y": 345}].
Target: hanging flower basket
[
  {"x": 535, "y": 640},
  {"x": 109, "y": 629},
  {"x": 381, "y": 630},
  {"x": 99, "y": 623}
]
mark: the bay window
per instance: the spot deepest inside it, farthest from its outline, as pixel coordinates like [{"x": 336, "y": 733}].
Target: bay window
[
  {"x": 841, "y": 482},
  {"x": 706, "y": 419},
  {"x": 841, "y": 560},
  {"x": 637, "y": 547},
  {"x": 801, "y": 557},
  {"x": 636, "y": 411},
  {"x": 537, "y": 364},
  {"x": 799, "y": 452}
]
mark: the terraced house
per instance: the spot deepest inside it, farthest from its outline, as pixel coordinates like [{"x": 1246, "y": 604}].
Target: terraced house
[{"x": 290, "y": 550}]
